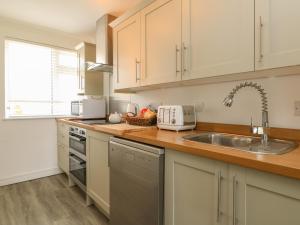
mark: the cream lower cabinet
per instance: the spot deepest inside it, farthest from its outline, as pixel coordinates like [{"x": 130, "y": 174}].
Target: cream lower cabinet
[
  {"x": 63, "y": 146},
  {"x": 200, "y": 191},
  {"x": 98, "y": 169},
  {"x": 161, "y": 42},
  {"x": 195, "y": 190},
  {"x": 217, "y": 37},
  {"x": 277, "y": 35},
  {"x": 258, "y": 198},
  {"x": 127, "y": 50}
]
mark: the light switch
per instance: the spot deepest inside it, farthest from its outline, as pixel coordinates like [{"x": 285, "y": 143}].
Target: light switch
[{"x": 297, "y": 108}]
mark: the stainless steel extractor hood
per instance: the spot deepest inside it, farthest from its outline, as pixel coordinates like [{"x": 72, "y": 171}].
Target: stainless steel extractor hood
[{"x": 104, "y": 46}]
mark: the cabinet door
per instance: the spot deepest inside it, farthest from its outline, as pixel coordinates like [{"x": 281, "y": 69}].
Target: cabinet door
[
  {"x": 161, "y": 42},
  {"x": 195, "y": 190},
  {"x": 218, "y": 37},
  {"x": 277, "y": 33},
  {"x": 63, "y": 147},
  {"x": 98, "y": 170},
  {"x": 63, "y": 158},
  {"x": 127, "y": 37},
  {"x": 262, "y": 198},
  {"x": 81, "y": 69}
]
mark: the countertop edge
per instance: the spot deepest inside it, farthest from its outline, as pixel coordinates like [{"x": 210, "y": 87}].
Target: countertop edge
[{"x": 279, "y": 169}]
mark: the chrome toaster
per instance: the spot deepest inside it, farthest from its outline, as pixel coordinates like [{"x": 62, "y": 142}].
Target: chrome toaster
[{"x": 176, "y": 117}]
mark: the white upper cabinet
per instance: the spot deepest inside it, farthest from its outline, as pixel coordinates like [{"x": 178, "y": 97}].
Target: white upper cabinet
[
  {"x": 161, "y": 42},
  {"x": 218, "y": 37},
  {"x": 277, "y": 33},
  {"x": 180, "y": 40},
  {"x": 127, "y": 48}
]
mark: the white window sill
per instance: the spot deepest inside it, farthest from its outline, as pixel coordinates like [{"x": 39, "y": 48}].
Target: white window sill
[{"x": 34, "y": 117}]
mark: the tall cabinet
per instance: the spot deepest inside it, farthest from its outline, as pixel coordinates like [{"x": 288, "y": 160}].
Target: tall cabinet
[{"x": 218, "y": 37}]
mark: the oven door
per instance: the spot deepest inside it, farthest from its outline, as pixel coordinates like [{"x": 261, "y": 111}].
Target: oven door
[
  {"x": 78, "y": 170},
  {"x": 77, "y": 145}
]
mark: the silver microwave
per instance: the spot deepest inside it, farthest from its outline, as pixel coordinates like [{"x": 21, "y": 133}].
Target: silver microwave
[
  {"x": 76, "y": 108},
  {"x": 89, "y": 108}
]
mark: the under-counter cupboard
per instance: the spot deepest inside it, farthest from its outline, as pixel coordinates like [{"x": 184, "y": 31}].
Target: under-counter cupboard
[
  {"x": 204, "y": 191},
  {"x": 198, "y": 190},
  {"x": 97, "y": 168},
  {"x": 178, "y": 40},
  {"x": 63, "y": 146}
]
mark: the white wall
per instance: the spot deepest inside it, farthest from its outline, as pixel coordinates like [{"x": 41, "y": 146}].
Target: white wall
[
  {"x": 282, "y": 93},
  {"x": 27, "y": 147}
]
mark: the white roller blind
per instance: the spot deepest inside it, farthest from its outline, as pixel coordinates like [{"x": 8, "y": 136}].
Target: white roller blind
[{"x": 40, "y": 80}]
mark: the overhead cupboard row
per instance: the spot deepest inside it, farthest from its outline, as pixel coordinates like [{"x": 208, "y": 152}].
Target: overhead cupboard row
[{"x": 180, "y": 40}]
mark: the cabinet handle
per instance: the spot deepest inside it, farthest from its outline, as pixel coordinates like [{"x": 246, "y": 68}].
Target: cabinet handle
[
  {"x": 234, "y": 183},
  {"x": 137, "y": 63},
  {"x": 184, "y": 48},
  {"x": 108, "y": 155},
  {"x": 219, "y": 196},
  {"x": 79, "y": 78},
  {"x": 177, "y": 50},
  {"x": 260, "y": 39}
]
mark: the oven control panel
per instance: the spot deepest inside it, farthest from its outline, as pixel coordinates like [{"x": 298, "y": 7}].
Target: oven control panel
[{"x": 78, "y": 131}]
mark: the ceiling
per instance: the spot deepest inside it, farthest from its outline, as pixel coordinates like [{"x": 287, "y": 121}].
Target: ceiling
[{"x": 77, "y": 17}]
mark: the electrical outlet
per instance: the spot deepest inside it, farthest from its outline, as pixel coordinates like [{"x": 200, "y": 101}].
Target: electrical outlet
[{"x": 297, "y": 108}]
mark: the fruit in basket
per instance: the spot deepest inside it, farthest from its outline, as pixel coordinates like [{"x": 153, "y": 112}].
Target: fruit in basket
[
  {"x": 130, "y": 114},
  {"x": 142, "y": 112},
  {"x": 149, "y": 114}
]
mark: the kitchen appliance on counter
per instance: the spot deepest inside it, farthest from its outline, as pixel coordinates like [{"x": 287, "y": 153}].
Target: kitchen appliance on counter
[
  {"x": 176, "y": 117},
  {"x": 136, "y": 183},
  {"x": 132, "y": 108},
  {"x": 77, "y": 156},
  {"x": 89, "y": 108}
]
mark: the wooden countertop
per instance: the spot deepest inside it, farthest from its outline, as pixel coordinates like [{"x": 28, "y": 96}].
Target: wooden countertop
[
  {"x": 287, "y": 164},
  {"x": 113, "y": 129}
]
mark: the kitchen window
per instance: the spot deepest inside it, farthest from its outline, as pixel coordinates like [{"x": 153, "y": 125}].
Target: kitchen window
[{"x": 40, "y": 81}]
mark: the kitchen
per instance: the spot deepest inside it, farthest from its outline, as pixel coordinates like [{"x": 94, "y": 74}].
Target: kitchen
[{"x": 229, "y": 70}]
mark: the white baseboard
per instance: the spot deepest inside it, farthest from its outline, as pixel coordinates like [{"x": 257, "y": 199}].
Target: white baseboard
[{"x": 29, "y": 176}]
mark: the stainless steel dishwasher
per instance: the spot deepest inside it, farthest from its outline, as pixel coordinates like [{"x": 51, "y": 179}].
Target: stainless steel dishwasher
[{"x": 136, "y": 183}]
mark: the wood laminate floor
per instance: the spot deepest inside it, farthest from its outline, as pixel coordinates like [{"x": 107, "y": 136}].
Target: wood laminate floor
[{"x": 46, "y": 201}]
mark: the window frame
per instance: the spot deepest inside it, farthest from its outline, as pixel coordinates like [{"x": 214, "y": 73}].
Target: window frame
[{"x": 6, "y": 117}]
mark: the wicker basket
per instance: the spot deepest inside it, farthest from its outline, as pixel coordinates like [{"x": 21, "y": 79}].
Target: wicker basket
[{"x": 141, "y": 121}]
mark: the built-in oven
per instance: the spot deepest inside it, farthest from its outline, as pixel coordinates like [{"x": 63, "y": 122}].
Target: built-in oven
[
  {"x": 77, "y": 156},
  {"x": 77, "y": 141}
]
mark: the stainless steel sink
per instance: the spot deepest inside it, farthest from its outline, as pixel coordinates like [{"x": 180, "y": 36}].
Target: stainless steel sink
[{"x": 244, "y": 143}]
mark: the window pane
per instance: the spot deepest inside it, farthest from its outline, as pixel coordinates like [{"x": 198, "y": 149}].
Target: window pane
[
  {"x": 40, "y": 80},
  {"x": 28, "y": 70},
  {"x": 29, "y": 109}
]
